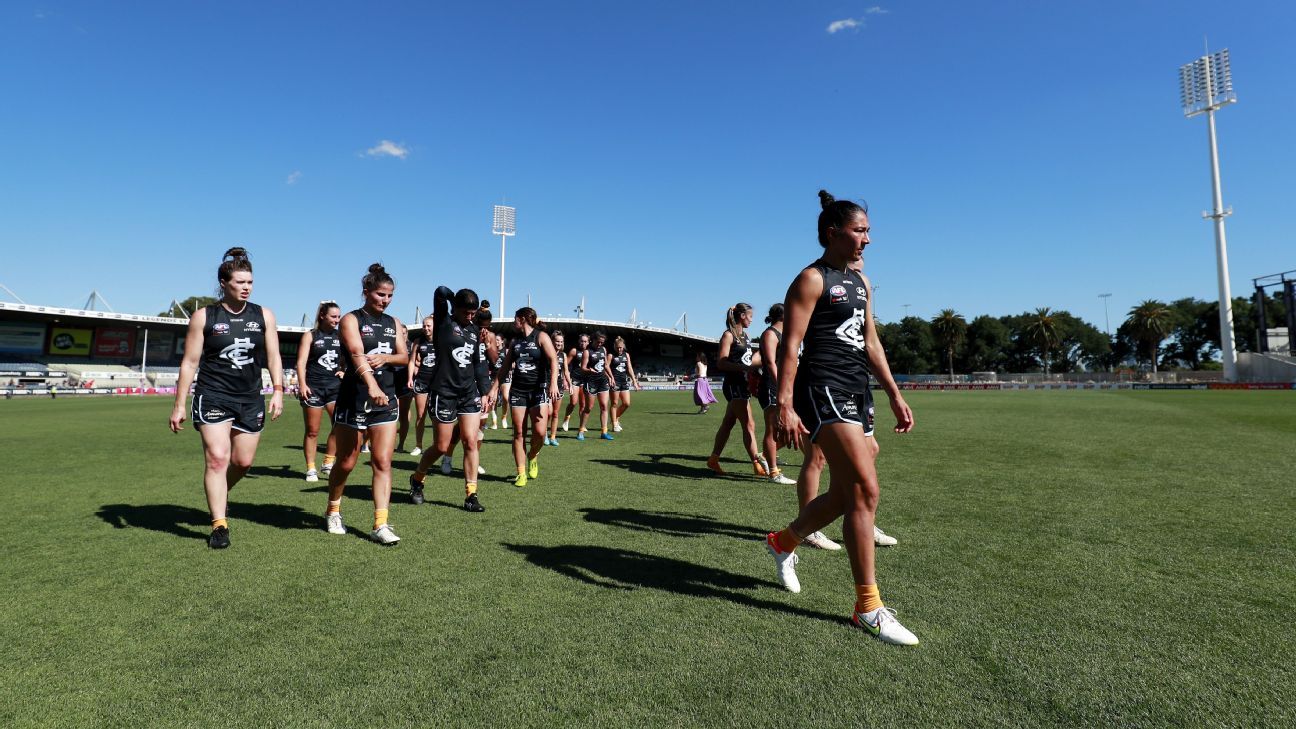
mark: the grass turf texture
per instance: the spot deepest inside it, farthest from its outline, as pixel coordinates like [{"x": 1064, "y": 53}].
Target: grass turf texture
[{"x": 1066, "y": 558}]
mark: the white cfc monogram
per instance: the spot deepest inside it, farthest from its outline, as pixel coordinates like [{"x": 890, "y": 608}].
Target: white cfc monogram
[
  {"x": 851, "y": 331},
  {"x": 239, "y": 353}
]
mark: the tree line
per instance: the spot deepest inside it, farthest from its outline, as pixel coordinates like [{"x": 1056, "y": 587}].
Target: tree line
[{"x": 1155, "y": 335}]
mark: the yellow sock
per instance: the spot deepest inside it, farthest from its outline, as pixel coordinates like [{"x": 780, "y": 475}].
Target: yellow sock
[
  {"x": 380, "y": 517},
  {"x": 419, "y": 475},
  {"x": 334, "y": 507},
  {"x": 867, "y": 598},
  {"x": 470, "y": 489},
  {"x": 328, "y": 460},
  {"x": 310, "y": 465},
  {"x": 217, "y": 523}
]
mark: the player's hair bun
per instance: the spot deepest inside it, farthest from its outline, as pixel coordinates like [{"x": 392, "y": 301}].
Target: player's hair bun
[
  {"x": 235, "y": 254},
  {"x": 826, "y": 199},
  {"x": 377, "y": 268}
]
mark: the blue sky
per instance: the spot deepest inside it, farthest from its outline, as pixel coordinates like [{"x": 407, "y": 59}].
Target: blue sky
[{"x": 663, "y": 156}]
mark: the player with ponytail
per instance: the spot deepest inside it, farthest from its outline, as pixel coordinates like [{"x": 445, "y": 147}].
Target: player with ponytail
[
  {"x": 319, "y": 377},
  {"x": 373, "y": 344},
  {"x": 735, "y": 360},
  {"x": 824, "y": 398},
  {"x": 226, "y": 346}
]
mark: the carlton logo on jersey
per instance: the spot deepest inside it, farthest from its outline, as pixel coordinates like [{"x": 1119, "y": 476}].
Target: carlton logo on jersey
[
  {"x": 747, "y": 358},
  {"x": 526, "y": 367},
  {"x": 328, "y": 360},
  {"x": 851, "y": 331},
  {"x": 463, "y": 354},
  {"x": 621, "y": 365},
  {"x": 429, "y": 359},
  {"x": 239, "y": 353},
  {"x": 598, "y": 366}
]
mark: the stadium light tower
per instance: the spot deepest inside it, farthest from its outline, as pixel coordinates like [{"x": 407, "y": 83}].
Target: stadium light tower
[
  {"x": 1205, "y": 86},
  {"x": 505, "y": 225}
]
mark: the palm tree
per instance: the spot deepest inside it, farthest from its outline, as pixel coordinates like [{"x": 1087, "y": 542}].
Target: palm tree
[
  {"x": 1042, "y": 330},
  {"x": 1150, "y": 322},
  {"x": 950, "y": 328}
]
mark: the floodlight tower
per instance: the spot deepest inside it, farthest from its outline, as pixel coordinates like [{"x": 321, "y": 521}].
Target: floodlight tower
[
  {"x": 1206, "y": 85},
  {"x": 505, "y": 225}
]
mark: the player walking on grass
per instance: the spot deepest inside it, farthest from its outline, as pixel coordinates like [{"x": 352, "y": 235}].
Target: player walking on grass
[
  {"x": 825, "y": 398},
  {"x": 597, "y": 385},
  {"x": 319, "y": 376},
  {"x": 373, "y": 343},
  {"x": 767, "y": 390},
  {"x": 623, "y": 378},
  {"x": 460, "y": 390},
  {"x": 533, "y": 362},
  {"x": 564, "y": 387},
  {"x": 735, "y": 360},
  {"x": 226, "y": 346},
  {"x": 573, "y": 365},
  {"x": 812, "y": 468},
  {"x": 421, "y": 368}
]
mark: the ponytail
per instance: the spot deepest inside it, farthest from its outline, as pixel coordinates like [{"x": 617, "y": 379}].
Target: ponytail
[{"x": 733, "y": 320}]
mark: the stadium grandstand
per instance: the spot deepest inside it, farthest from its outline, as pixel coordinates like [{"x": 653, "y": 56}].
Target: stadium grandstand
[{"x": 99, "y": 352}]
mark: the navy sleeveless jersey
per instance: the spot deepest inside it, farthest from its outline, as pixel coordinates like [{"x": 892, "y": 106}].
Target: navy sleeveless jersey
[
  {"x": 425, "y": 350},
  {"x": 531, "y": 365},
  {"x": 766, "y": 380},
  {"x": 325, "y": 356},
  {"x": 377, "y": 336},
  {"x": 620, "y": 368},
  {"x": 833, "y": 353},
  {"x": 598, "y": 362},
  {"x": 740, "y": 353},
  {"x": 457, "y": 355},
  {"x": 233, "y": 353}
]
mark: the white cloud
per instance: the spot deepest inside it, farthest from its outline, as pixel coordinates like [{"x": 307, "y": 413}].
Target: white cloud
[
  {"x": 876, "y": 10},
  {"x": 293, "y": 177},
  {"x": 388, "y": 148},
  {"x": 845, "y": 24}
]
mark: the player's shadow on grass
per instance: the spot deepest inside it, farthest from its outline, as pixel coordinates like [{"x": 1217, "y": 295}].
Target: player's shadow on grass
[
  {"x": 623, "y": 569},
  {"x": 656, "y": 464},
  {"x": 191, "y": 523},
  {"x": 671, "y": 523},
  {"x": 275, "y": 472}
]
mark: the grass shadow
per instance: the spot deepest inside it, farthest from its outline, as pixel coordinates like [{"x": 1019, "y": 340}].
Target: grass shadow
[
  {"x": 191, "y": 523},
  {"x": 671, "y": 523},
  {"x": 275, "y": 472},
  {"x": 623, "y": 569},
  {"x": 655, "y": 464}
]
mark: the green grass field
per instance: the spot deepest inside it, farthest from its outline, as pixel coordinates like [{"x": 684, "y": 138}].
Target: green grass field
[{"x": 1082, "y": 559}]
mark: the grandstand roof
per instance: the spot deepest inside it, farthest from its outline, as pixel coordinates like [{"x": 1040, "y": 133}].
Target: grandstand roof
[{"x": 37, "y": 312}]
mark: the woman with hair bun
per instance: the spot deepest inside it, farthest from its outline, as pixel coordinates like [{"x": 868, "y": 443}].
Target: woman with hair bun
[
  {"x": 532, "y": 362},
  {"x": 374, "y": 344},
  {"x": 573, "y": 366},
  {"x": 825, "y": 399},
  {"x": 319, "y": 376},
  {"x": 735, "y": 360},
  {"x": 226, "y": 346},
  {"x": 767, "y": 390}
]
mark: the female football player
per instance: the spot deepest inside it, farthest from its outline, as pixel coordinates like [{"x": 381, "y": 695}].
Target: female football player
[{"x": 319, "y": 376}]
